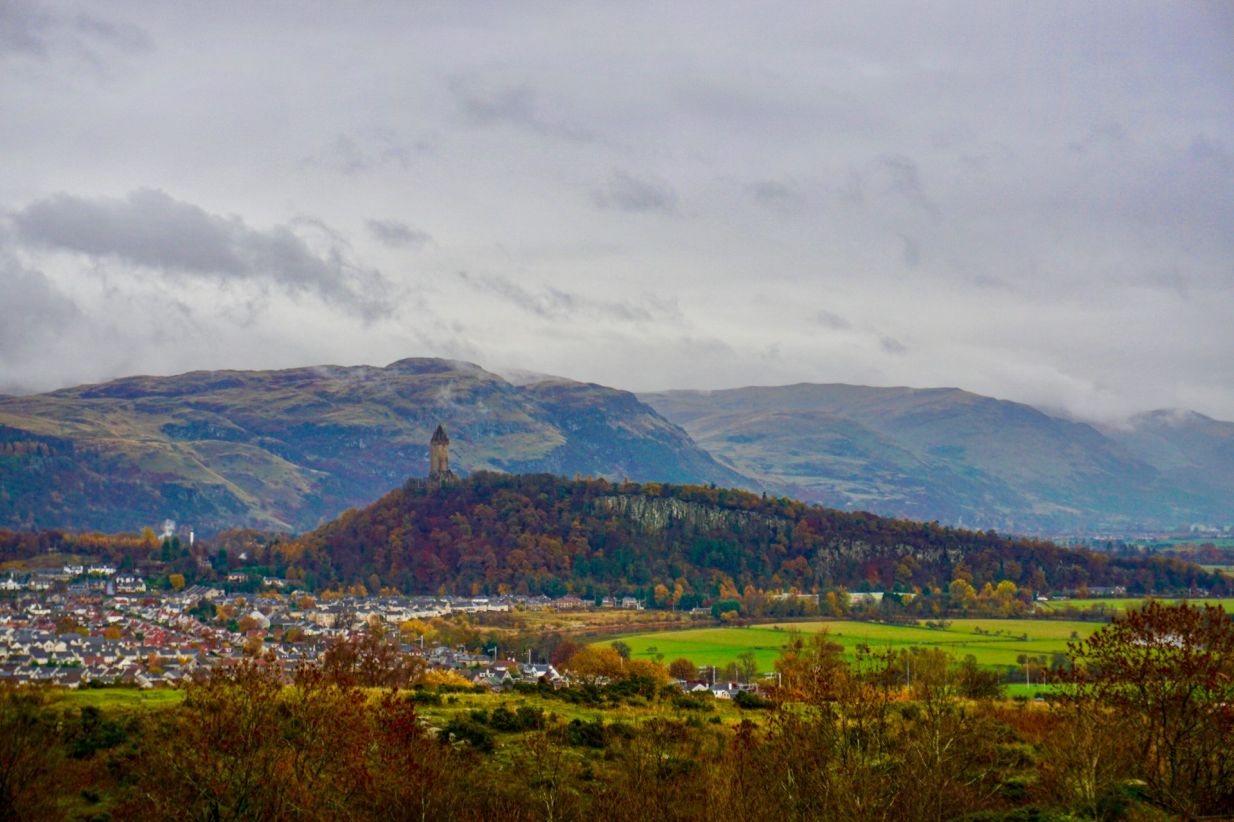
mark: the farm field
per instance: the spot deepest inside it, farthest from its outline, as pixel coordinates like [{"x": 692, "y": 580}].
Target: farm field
[
  {"x": 1123, "y": 603},
  {"x": 993, "y": 642}
]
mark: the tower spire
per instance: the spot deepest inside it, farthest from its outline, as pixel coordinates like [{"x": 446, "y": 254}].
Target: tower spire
[{"x": 439, "y": 456}]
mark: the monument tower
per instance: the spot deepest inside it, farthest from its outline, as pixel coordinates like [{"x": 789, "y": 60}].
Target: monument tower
[{"x": 439, "y": 456}]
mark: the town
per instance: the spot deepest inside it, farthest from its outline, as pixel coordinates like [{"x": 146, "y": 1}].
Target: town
[{"x": 83, "y": 625}]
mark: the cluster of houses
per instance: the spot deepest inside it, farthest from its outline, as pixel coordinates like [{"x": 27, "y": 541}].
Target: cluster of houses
[{"x": 78, "y": 625}]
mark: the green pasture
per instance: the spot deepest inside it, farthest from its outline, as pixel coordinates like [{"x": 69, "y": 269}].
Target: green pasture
[
  {"x": 1123, "y": 603},
  {"x": 106, "y": 698},
  {"x": 993, "y": 642},
  {"x": 557, "y": 710}
]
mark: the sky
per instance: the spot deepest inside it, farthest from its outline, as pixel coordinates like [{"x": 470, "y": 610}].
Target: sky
[{"x": 1033, "y": 201}]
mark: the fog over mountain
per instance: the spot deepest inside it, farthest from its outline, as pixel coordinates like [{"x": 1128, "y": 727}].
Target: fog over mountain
[{"x": 1033, "y": 202}]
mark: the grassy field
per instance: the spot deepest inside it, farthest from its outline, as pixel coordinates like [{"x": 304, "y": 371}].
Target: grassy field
[
  {"x": 994, "y": 642},
  {"x": 121, "y": 698},
  {"x": 1123, "y": 603}
]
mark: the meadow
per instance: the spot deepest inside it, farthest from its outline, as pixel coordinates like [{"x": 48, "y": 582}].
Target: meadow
[
  {"x": 993, "y": 642},
  {"x": 109, "y": 698},
  {"x": 1123, "y": 603}
]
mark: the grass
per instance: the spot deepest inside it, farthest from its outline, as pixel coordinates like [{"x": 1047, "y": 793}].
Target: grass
[
  {"x": 106, "y": 698},
  {"x": 993, "y": 642},
  {"x": 1123, "y": 603},
  {"x": 1021, "y": 689}
]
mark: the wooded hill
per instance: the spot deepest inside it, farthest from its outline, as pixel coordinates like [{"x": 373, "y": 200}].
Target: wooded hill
[{"x": 493, "y": 533}]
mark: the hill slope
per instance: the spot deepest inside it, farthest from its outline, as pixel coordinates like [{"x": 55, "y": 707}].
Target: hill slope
[
  {"x": 541, "y": 534},
  {"x": 954, "y": 456},
  {"x": 288, "y": 449}
]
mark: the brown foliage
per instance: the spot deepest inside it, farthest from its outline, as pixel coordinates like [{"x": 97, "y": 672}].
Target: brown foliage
[
  {"x": 1167, "y": 673},
  {"x": 370, "y": 659},
  {"x": 29, "y": 772}
]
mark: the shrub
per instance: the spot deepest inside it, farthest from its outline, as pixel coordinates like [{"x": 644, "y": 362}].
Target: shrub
[
  {"x": 471, "y": 732},
  {"x": 751, "y": 701}
]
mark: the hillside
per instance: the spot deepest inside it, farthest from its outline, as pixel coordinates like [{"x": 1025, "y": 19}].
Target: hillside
[
  {"x": 290, "y": 449},
  {"x": 1191, "y": 451},
  {"x": 534, "y": 534},
  {"x": 961, "y": 458}
]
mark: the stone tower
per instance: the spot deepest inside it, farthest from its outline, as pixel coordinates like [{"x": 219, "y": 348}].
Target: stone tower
[{"x": 439, "y": 456}]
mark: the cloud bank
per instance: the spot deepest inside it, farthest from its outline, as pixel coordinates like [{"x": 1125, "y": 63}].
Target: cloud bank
[{"x": 1036, "y": 204}]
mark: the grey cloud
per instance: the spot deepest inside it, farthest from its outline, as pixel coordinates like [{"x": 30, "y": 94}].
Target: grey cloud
[
  {"x": 32, "y": 31},
  {"x": 905, "y": 179},
  {"x": 350, "y": 154},
  {"x": 910, "y": 251},
  {"x": 556, "y": 303},
  {"x": 1205, "y": 150},
  {"x": 510, "y": 104},
  {"x": 783, "y": 196},
  {"x": 485, "y": 104},
  {"x": 24, "y": 29},
  {"x": 396, "y": 234},
  {"x": 1102, "y": 137},
  {"x": 772, "y": 191},
  {"x": 831, "y": 320},
  {"x": 626, "y": 192},
  {"x": 892, "y": 346},
  {"x": 33, "y": 308},
  {"x": 151, "y": 229}
]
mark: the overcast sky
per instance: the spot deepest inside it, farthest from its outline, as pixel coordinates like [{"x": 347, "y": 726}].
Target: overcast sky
[{"x": 1033, "y": 201}]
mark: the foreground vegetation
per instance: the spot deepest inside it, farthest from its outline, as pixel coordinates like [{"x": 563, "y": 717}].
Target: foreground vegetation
[{"x": 1140, "y": 732}]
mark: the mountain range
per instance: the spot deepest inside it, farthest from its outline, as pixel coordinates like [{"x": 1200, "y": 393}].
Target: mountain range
[
  {"x": 290, "y": 449},
  {"x": 966, "y": 459}
]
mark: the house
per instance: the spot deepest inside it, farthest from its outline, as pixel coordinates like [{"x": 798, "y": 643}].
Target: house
[
  {"x": 535, "y": 671},
  {"x": 130, "y": 585}
]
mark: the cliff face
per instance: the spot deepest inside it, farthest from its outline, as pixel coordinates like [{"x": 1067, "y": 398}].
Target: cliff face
[{"x": 659, "y": 514}]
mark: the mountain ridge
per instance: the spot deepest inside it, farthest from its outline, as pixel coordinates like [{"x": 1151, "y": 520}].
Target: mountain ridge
[
  {"x": 291, "y": 448},
  {"x": 953, "y": 455}
]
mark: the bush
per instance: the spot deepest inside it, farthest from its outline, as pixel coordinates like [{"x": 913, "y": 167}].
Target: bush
[
  {"x": 525, "y": 718},
  {"x": 751, "y": 701},
  {"x": 421, "y": 697},
  {"x": 692, "y": 702},
  {"x": 471, "y": 732},
  {"x": 586, "y": 734}
]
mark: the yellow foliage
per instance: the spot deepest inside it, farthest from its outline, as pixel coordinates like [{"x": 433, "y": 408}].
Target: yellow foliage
[{"x": 434, "y": 677}]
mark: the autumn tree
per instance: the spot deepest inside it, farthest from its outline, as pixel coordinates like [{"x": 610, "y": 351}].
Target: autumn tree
[
  {"x": 1168, "y": 672},
  {"x": 682, "y": 668},
  {"x": 812, "y": 668},
  {"x": 28, "y": 763},
  {"x": 370, "y": 658}
]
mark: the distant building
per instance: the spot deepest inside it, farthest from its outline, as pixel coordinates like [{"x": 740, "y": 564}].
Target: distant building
[{"x": 439, "y": 457}]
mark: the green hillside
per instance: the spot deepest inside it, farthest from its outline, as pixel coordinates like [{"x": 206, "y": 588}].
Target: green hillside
[
  {"x": 290, "y": 449},
  {"x": 954, "y": 456}
]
